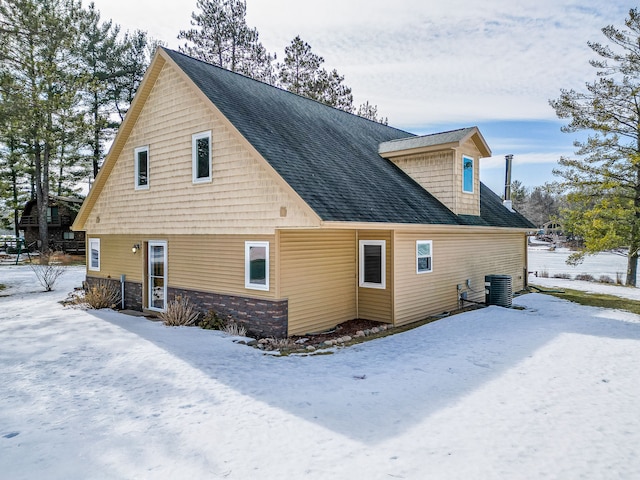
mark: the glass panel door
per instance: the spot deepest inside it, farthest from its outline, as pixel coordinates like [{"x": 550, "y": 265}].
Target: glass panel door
[{"x": 157, "y": 275}]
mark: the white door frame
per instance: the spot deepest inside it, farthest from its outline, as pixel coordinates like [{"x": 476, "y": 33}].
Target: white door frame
[{"x": 151, "y": 277}]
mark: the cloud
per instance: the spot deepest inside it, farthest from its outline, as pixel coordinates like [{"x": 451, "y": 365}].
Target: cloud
[
  {"x": 424, "y": 61},
  {"x": 524, "y": 159},
  {"x": 433, "y": 61}
]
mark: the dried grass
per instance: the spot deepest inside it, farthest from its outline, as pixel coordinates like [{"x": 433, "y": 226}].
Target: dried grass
[
  {"x": 101, "y": 294},
  {"x": 232, "y": 328},
  {"x": 585, "y": 277},
  {"x": 179, "y": 312}
]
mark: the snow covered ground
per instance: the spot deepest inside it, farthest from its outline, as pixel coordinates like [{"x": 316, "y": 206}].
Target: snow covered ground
[
  {"x": 554, "y": 262},
  {"x": 550, "y": 392}
]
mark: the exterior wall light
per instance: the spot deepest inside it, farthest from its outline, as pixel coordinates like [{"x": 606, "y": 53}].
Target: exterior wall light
[{"x": 135, "y": 248}]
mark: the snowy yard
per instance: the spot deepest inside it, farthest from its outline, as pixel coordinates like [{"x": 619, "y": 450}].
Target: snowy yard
[
  {"x": 541, "y": 259},
  {"x": 551, "y": 391}
]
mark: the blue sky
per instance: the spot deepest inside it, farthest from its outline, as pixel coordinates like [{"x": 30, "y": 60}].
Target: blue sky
[{"x": 433, "y": 66}]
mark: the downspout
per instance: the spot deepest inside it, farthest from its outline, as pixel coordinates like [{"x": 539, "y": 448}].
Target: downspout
[
  {"x": 122, "y": 279},
  {"x": 526, "y": 261}
]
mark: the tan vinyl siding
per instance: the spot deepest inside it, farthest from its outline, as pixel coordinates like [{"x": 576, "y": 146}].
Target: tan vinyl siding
[
  {"x": 116, "y": 257},
  {"x": 216, "y": 263},
  {"x": 376, "y": 303},
  {"x": 318, "y": 276},
  {"x": 209, "y": 263},
  {"x": 244, "y": 196},
  {"x": 456, "y": 258}
]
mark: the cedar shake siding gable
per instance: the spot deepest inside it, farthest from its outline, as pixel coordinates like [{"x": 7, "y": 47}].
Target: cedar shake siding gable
[{"x": 244, "y": 195}]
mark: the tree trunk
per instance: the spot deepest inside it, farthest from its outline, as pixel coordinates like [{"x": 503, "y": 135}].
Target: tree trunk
[
  {"x": 61, "y": 170},
  {"x": 632, "y": 268},
  {"x": 634, "y": 244},
  {"x": 16, "y": 210},
  {"x": 14, "y": 186},
  {"x": 96, "y": 134},
  {"x": 42, "y": 202}
]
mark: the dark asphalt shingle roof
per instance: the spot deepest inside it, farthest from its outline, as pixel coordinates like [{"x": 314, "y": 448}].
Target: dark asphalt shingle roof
[
  {"x": 328, "y": 156},
  {"x": 494, "y": 214}
]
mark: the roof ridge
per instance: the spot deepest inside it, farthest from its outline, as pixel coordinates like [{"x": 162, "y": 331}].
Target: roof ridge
[
  {"x": 278, "y": 87},
  {"x": 435, "y": 133}
]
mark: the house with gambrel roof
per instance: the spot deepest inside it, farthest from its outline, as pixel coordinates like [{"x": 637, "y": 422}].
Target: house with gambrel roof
[{"x": 287, "y": 214}]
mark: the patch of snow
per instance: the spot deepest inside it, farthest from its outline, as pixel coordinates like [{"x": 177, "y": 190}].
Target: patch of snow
[
  {"x": 553, "y": 262},
  {"x": 546, "y": 392},
  {"x": 591, "y": 287}
]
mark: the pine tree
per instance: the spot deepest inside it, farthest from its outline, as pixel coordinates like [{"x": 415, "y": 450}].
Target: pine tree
[
  {"x": 129, "y": 59},
  {"x": 222, "y": 37},
  {"x": 603, "y": 185},
  {"x": 37, "y": 50},
  {"x": 301, "y": 72},
  {"x": 367, "y": 110},
  {"x": 14, "y": 181},
  {"x": 63, "y": 76},
  {"x": 100, "y": 54}
]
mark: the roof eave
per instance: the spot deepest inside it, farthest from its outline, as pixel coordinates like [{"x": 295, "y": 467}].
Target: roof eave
[
  {"x": 146, "y": 85},
  {"x": 435, "y": 227},
  {"x": 480, "y": 142},
  {"x": 417, "y": 145},
  {"x": 416, "y": 150}
]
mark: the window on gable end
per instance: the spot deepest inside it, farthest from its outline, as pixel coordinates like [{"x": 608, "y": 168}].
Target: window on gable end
[
  {"x": 467, "y": 174},
  {"x": 424, "y": 254},
  {"x": 141, "y": 159},
  {"x": 201, "y": 157}
]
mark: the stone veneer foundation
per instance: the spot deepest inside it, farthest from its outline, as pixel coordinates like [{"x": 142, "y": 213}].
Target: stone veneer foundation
[{"x": 261, "y": 317}]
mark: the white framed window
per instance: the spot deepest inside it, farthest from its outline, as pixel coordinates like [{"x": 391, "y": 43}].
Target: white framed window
[
  {"x": 256, "y": 265},
  {"x": 373, "y": 262},
  {"x": 68, "y": 235},
  {"x": 141, "y": 161},
  {"x": 201, "y": 156},
  {"x": 94, "y": 254},
  {"x": 467, "y": 174},
  {"x": 424, "y": 256},
  {"x": 157, "y": 275}
]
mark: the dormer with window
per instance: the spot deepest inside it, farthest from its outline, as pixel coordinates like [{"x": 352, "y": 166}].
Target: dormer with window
[{"x": 445, "y": 164}]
